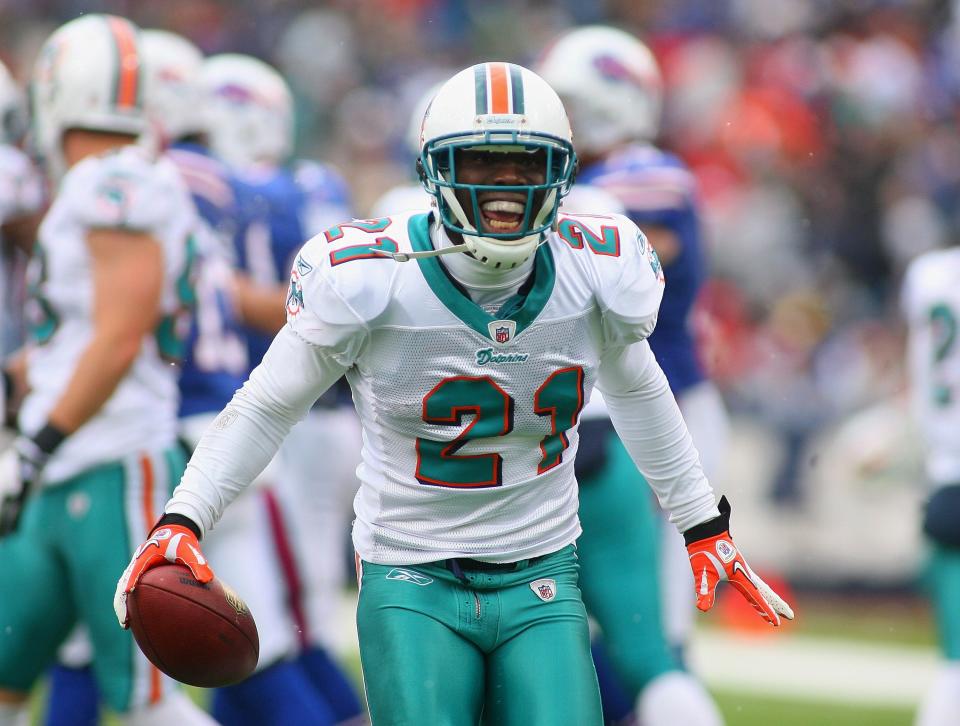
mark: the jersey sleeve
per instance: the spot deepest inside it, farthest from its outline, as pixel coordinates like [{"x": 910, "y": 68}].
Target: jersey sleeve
[
  {"x": 630, "y": 287},
  {"x": 123, "y": 190},
  {"x": 334, "y": 304}
]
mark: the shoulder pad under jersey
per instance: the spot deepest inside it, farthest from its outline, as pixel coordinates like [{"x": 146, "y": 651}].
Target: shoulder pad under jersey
[{"x": 626, "y": 273}]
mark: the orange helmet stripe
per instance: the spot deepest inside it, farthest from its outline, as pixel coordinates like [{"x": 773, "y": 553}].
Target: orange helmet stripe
[
  {"x": 128, "y": 63},
  {"x": 499, "y": 88}
]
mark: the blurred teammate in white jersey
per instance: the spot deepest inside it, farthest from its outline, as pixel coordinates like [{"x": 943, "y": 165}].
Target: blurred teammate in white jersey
[
  {"x": 97, "y": 454},
  {"x": 471, "y": 338},
  {"x": 931, "y": 306}
]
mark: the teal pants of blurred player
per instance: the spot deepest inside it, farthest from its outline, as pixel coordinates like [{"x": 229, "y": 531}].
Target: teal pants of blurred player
[
  {"x": 499, "y": 648},
  {"x": 943, "y": 582},
  {"x": 620, "y": 579},
  {"x": 62, "y": 565}
]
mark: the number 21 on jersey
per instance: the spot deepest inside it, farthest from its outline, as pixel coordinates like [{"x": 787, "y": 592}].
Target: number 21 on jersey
[{"x": 559, "y": 398}]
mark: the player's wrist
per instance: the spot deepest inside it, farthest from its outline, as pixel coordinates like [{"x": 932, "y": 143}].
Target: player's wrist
[
  {"x": 712, "y": 527},
  {"x": 178, "y": 520},
  {"x": 48, "y": 439}
]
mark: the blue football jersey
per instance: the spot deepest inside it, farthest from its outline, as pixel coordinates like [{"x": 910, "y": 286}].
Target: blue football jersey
[
  {"x": 657, "y": 189},
  {"x": 215, "y": 364},
  {"x": 288, "y": 204}
]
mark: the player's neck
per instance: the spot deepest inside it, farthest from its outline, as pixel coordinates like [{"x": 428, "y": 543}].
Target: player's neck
[
  {"x": 78, "y": 144},
  {"x": 476, "y": 276}
]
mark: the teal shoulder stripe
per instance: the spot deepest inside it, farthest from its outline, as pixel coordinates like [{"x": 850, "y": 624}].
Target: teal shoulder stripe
[
  {"x": 523, "y": 313},
  {"x": 516, "y": 88},
  {"x": 480, "y": 87}
]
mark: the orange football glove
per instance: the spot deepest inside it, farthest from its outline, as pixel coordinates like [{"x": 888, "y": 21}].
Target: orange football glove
[
  {"x": 714, "y": 557},
  {"x": 171, "y": 543}
]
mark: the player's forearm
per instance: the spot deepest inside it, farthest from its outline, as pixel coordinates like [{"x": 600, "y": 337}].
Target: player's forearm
[
  {"x": 261, "y": 307},
  {"x": 98, "y": 372},
  {"x": 246, "y": 435},
  {"x": 647, "y": 418}
]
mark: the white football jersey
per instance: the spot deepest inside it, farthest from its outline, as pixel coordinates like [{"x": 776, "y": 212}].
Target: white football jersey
[
  {"x": 128, "y": 190},
  {"x": 470, "y": 419},
  {"x": 931, "y": 305}
]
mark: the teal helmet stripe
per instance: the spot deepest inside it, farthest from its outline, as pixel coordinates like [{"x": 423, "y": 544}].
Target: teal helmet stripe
[
  {"x": 516, "y": 88},
  {"x": 480, "y": 88}
]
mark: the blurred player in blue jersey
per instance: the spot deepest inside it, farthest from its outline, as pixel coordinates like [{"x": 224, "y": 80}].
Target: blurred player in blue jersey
[
  {"x": 610, "y": 84},
  {"x": 251, "y": 128}
]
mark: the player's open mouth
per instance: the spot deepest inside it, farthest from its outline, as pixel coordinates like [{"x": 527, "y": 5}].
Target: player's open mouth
[{"x": 501, "y": 215}]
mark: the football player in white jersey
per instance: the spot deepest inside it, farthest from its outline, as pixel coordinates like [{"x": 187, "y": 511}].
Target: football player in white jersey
[
  {"x": 469, "y": 374},
  {"x": 97, "y": 453},
  {"x": 931, "y": 306}
]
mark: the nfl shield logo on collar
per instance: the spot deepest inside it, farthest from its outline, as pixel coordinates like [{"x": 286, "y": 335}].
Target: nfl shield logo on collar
[
  {"x": 545, "y": 589},
  {"x": 502, "y": 331}
]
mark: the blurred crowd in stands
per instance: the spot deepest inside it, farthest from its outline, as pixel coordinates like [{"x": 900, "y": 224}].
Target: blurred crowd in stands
[{"x": 824, "y": 134}]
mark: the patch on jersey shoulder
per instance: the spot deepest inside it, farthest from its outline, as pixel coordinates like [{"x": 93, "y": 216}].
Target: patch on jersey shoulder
[
  {"x": 302, "y": 266},
  {"x": 295, "y": 295},
  {"x": 642, "y": 242},
  {"x": 655, "y": 263},
  {"x": 113, "y": 196}
]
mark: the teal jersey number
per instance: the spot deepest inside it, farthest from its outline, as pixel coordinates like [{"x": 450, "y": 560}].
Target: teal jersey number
[
  {"x": 446, "y": 405},
  {"x": 44, "y": 320},
  {"x": 172, "y": 330},
  {"x": 943, "y": 324},
  {"x": 363, "y": 251},
  {"x": 574, "y": 232},
  {"x": 560, "y": 397}
]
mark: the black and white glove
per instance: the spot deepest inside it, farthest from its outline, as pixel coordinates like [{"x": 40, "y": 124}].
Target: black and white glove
[{"x": 20, "y": 467}]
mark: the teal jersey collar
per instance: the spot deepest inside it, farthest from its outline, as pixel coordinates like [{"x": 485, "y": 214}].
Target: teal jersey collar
[{"x": 521, "y": 308}]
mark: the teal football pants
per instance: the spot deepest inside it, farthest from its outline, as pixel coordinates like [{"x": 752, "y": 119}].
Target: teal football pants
[
  {"x": 619, "y": 561},
  {"x": 943, "y": 582},
  {"x": 62, "y": 564},
  {"x": 498, "y": 648}
]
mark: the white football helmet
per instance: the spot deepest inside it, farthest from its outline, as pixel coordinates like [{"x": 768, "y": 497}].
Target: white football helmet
[
  {"x": 13, "y": 112},
  {"x": 250, "y": 110},
  {"x": 88, "y": 76},
  {"x": 174, "y": 97},
  {"x": 500, "y": 107},
  {"x": 610, "y": 83}
]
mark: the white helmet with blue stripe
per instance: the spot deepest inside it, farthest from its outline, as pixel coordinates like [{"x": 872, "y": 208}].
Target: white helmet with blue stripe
[
  {"x": 610, "y": 83},
  {"x": 250, "y": 110},
  {"x": 505, "y": 108},
  {"x": 174, "y": 95}
]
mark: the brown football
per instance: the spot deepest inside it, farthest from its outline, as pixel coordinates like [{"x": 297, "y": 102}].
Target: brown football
[{"x": 200, "y": 634}]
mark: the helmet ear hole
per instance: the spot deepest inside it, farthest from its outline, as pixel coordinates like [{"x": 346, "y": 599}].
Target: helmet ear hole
[{"x": 421, "y": 172}]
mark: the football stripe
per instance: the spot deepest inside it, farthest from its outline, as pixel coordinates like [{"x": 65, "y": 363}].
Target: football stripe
[
  {"x": 480, "y": 88},
  {"x": 149, "y": 515},
  {"x": 127, "y": 85},
  {"x": 516, "y": 88},
  {"x": 499, "y": 88}
]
